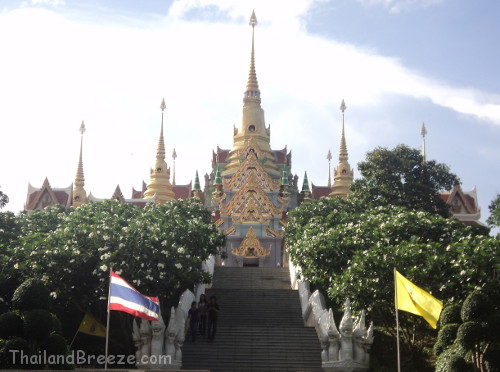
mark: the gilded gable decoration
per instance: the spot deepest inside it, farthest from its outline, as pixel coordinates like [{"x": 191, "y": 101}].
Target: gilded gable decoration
[
  {"x": 251, "y": 166},
  {"x": 251, "y": 204},
  {"x": 251, "y": 247}
]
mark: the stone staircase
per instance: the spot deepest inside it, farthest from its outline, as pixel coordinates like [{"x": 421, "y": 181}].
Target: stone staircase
[{"x": 260, "y": 327}]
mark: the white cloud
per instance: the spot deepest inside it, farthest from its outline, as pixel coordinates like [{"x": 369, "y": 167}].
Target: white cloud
[
  {"x": 57, "y": 72},
  {"x": 54, "y": 3},
  {"x": 397, "y": 6}
]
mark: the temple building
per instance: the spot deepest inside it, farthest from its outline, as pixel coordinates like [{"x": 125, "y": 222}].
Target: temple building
[{"x": 249, "y": 189}]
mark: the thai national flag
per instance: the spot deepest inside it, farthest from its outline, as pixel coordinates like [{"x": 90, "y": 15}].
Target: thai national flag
[{"x": 124, "y": 297}]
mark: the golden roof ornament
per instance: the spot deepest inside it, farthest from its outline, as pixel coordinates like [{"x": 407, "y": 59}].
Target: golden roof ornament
[
  {"x": 252, "y": 92},
  {"x": 79, "y": 193},
  {"x": 159, "y": 183},
  {"x": 251, "y": 246},
  {"x": 343, "y": 174}
]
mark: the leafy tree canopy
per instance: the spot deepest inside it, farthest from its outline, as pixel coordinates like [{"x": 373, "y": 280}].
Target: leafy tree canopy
[
  {"x": 494, "y": 218},
  {"x": 401, "y": 177},
  {"x": 4, "y": 199},
  {"x": 159, "y": 249},
  {"x": 351, "y": 251}
]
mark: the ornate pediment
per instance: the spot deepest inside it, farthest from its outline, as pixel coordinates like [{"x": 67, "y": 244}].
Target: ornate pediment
[
  {"x": 251, "y": 247},
  {"x": 251, "y": 204},
  {"x": 250, "y": 166}
]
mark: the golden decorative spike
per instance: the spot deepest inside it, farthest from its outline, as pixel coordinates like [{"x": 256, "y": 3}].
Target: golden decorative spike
[
  {"x": 343, "y": 175},
  {"x": 252, "y": 90},
  {"x": 79, "y": 193},
  {"x": 159, "y": 184}
]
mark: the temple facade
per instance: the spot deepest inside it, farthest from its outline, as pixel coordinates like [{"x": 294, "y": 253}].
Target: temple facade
[{"x": 250, "y": 187}]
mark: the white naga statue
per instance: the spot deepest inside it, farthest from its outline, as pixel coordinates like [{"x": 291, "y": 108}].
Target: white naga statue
[
  {"x": 348, "y": 347},
  {"x": 158, "y": 347}
]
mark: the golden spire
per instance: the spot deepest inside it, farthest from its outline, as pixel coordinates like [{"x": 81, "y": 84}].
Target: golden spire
[
  {"x": 252, "y": 92},
  {"x": 423, "y": 132},
  {"x": 343, "y": 174},
  {"x": 343, "y": 147},
  {"x": 252, "y": 134},
  {"x": 79, "y": 194},
  {"x": 159, "y": 183}
]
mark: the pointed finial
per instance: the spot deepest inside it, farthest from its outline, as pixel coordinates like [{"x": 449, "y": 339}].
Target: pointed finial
[
  {"x": 252, "y": 92},
  {"x": 253, "y": 19},
  {"x": 160, "y": 153},
  {"x": 82, "y": 127},
  {"x": 329, "y": 155},
  {"x": 174, "y": 156},
  {"x": 218, "y": 177},
  {"x": 423, "y": 132},
  {"x": 343, "y": 107},
  {"x": 305, "y": 184},
  {"x": 196, "y": 185}
]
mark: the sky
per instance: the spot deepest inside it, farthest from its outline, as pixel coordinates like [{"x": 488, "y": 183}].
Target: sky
[{"x": 397, "y": 63}]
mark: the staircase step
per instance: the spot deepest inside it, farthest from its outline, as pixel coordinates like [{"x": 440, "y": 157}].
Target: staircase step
[{"x": 260, "y": 326}]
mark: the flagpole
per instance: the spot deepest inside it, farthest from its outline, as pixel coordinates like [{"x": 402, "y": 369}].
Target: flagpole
[
  {"x": 107, "y": 322},
  {"x": 73, "y": 340},
  {"x": 397, "y": 318}
]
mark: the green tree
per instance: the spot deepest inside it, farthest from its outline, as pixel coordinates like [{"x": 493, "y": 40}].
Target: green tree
[
  {"x": 401, "y": 177},
  {"x": 351, "y": 251},
  {"x": 494, "y": 218},
  {"x": 159, "y": 249},
  {"x": 4, "y": 199},
  {"x": 475, "y": 336}
]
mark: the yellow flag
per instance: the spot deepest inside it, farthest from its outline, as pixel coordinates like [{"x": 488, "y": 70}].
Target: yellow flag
[
  {"x": 91, "y": 326},
  {"x": 415, "y": 300}
]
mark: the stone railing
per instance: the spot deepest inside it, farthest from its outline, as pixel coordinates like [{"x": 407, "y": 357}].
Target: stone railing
[
  {"x": 158, "y": 346},
  {"x": 343, "y": 349}
]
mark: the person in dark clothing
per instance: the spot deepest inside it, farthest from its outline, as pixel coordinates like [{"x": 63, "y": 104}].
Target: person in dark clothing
[
  {"x": 193, "y": 317},
  {"x": 213, "y": 310},
  {"x": 203, "y": 309}
]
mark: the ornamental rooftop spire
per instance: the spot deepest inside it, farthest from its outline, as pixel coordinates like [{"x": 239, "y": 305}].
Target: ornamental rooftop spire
[
  {"x": 79, "y": 193},
  {"x": 343, "y": 174},
  {"x": 252, "y": 134},
  {"x": 252, "y": 92},
  {"x": 159, "y": 184}
]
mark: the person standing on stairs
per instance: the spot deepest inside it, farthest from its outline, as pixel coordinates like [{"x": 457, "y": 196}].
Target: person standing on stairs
[
  {"x": 193, "y": 317},
  {"x": 203, "y": 309},
  {"x": 213, "y": 310}
]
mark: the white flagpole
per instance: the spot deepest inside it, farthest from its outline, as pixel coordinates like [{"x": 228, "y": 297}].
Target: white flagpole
[
  {"x": 107, "y": 322},
  {"x": 397, "y": 318}
]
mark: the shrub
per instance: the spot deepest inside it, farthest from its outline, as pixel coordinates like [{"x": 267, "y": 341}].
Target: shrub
[
  {"x": 469, "y": 334},
  {"x": 30, "y": 295},
  {"x": 11, "y": 325},
  {"x": 38, "y": 325},
  {"x": 55, "y": 345},
  {"x": 446, "y": 337},
  {"x": 451, "y": 360},
  {"x": 450, "y": 315},
  {"x": 476, "y": 307},
  {"x": 9, "y": 359}
]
